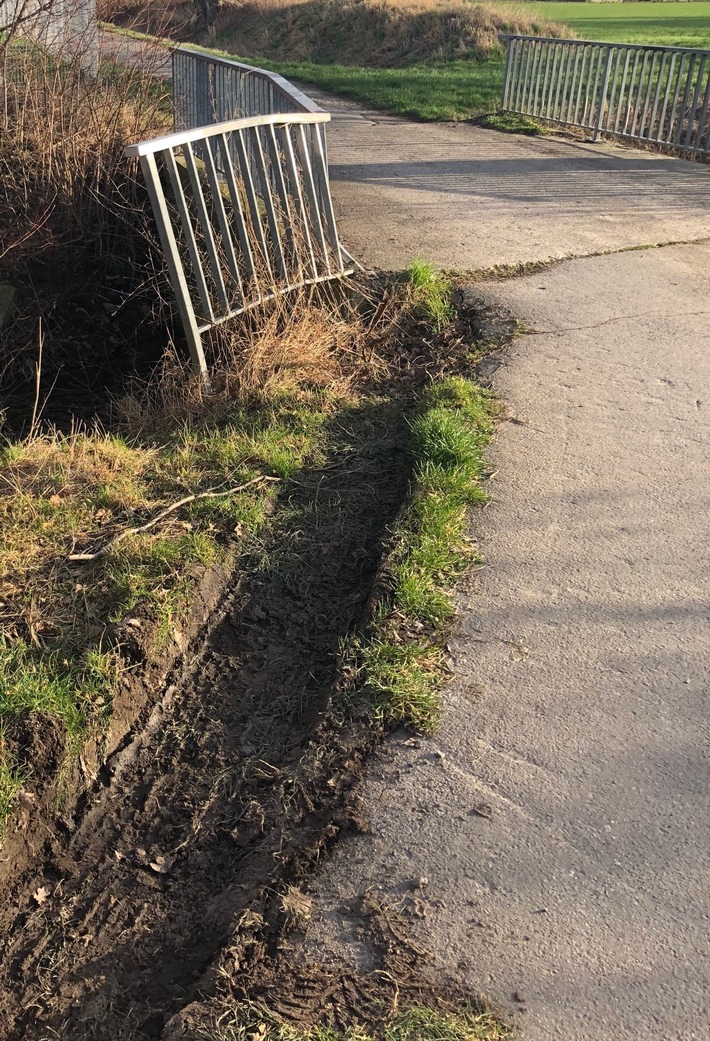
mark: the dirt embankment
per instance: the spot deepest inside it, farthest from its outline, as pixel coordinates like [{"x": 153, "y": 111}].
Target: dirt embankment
[
  {"x": 240, "y": 775},
  {"x": 235, "y": 778}
]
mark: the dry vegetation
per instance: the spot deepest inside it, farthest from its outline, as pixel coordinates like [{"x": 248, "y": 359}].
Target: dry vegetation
[
  {"x": 386, "y": 33},
  {"x": 76, "y": 238}
]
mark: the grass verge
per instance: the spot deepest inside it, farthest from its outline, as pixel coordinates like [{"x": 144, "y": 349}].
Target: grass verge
[
  {"x": 403, "y": 658},
  {"x": 418, "y": 1023},
  {"x": 282, "y": 403}
]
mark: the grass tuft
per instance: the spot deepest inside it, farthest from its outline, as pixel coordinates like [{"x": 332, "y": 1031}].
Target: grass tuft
[
  {"x": 403, "y": 660},
  {"x": 430, "y": 294}
]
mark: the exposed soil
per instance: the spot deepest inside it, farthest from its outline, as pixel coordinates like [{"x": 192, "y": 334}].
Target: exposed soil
[
  {"x": 242, "y": 775},
  {"x": 227, "y": 780}
]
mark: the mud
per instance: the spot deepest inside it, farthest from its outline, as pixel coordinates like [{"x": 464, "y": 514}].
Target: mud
[
  {"x": 231, "y": 767},
  {"x": 242, "y": 775}
]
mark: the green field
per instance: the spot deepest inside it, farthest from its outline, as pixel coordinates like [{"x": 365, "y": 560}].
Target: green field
[{"x": 674, "y": 24}]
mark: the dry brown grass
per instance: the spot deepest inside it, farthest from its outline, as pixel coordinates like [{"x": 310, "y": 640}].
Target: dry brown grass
[
  {"x": 76, "y": 235},
  {"x": 347, "y": 32}
]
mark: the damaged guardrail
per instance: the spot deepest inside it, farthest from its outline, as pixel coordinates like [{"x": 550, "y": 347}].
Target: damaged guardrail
[{"x": 244, "y": 214}]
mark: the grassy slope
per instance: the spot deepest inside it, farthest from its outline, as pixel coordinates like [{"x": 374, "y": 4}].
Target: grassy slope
[{"x": 459, "y": 90}]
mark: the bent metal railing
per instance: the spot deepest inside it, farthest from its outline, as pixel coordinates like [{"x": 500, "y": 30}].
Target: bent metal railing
[
  {"x": 653, "y": 95},
  {"x": 208, "y": 89},
  {"x": 244, "y": 214}
]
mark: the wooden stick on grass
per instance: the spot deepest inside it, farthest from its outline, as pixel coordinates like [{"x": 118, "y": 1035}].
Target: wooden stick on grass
[{"x": 212, "y": 493}]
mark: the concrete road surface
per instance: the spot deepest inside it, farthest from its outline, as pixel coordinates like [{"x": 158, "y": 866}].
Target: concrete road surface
[
  {"x": 562, "y": 817},
  {"x": 470, "y": 198}
]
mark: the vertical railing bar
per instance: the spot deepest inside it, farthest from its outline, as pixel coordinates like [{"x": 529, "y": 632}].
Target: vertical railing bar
[
  {"x": 632, "y": 88},
  {"x": 238, "y": 210},
  {"x": 573, "y": 84},
  {"x": 519, "y": 72},
  {"x": 590, "y": 85},
  {"x": 554, "y": 74},
  {"x": 528, "y": 76},
  {"x": 186, "y": 223},
  {"x": 541, "y": 59},
  {"x": 703, "y": 117},
  {"x": 272, "y": 147},
  {"x": 210, "y": 244},
  {"x": 639, "y": 96},
  {"x": 662, "y": 135},
  {"x": 652, "y": 133},
  {"x": 317, "y": 138},
  {"x": 696, "y": 97},
  {"x": 268, "y": 200},
  {"x": 222, "y": 220},
  {"x": 548, "y": 57},
  {"x": 252, "y": 199},
  {"x": 684, "y": 103},
  {"x": 676, "y": 95},
  {"x": 618, "y": 52},
  {"x": 606, "y": 60},
  {"x": 562, "y": 84},
  {"x": 622, "y": 90},
  {"x": 562, "y": 110},
  {"x": 175, "y": 268},
  {"x": 580, "y": 84},
  {"x": 647, "y": 98},
  {"x": 309, "y": 185},
  {"x": 522, "y": 71},
  {"x": 509, "y": 48},
  {"x": 297, "y": 192}
]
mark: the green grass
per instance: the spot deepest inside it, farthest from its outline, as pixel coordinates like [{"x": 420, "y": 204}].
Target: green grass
[
  {"x": 462, "y": 90},
  {"x": 403, "y": 660},
  {"x": 672, "y": 24},
  {"x": 59, "y": 493},
  {"x": 430, "y": 293},
  {"x": 418, "y": 1023},
  {"x": 457, "y": 90}
]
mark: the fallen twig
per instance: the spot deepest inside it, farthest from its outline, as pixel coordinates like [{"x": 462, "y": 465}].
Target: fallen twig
[{"x": 211, "y": 493}]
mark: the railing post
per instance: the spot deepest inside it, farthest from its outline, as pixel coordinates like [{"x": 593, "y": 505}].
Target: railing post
[
  {"x": 509, "y": 43},
  {"x": 602, "y": 97}
]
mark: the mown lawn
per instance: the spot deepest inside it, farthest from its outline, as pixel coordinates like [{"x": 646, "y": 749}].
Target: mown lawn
[
  {"x": 673, "y": 24},
  {"x": 453, "y": 91}
]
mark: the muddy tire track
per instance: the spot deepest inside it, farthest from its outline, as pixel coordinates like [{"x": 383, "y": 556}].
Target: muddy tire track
[{"x": 239, "y": 780}]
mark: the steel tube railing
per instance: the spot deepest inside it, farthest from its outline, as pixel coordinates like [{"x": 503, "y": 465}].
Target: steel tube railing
[
  {"x": 244, "y": 213},
  {"x": 649, "y": 94}
]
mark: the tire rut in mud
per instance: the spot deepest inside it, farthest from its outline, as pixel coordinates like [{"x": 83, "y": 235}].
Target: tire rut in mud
[{"x": 239, "y": 779}]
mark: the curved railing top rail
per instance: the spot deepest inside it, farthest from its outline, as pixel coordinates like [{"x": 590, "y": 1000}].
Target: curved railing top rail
[
  {"x": 184, "y": 137},
  {"x": 299, "y": 100},
  {"x": 605, "y": 43}
]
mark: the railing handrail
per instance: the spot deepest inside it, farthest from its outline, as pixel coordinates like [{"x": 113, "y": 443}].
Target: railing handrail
[
  {"x": 183, "y": 137},
  {"x": 605, "y": 43},
  {"x": 296, "y": 96}
]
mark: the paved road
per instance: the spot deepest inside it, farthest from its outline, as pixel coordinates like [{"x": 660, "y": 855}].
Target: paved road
[
  {"x": 471, "y": 198},
  {"x": 562, "y": 817}
]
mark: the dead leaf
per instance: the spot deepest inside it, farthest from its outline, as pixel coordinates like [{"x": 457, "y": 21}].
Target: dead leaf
[
  {"x": 41, "y": 895},
  {"x": 56, "y": 500}
]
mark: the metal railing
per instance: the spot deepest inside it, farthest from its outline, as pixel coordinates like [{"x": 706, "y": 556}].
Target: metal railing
[
  {"x": 654, "y": 95},
  {"x": 67, "y": 29},
  {"x": 244, "y": 214},
  {"x": 208, "y": 89}
]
